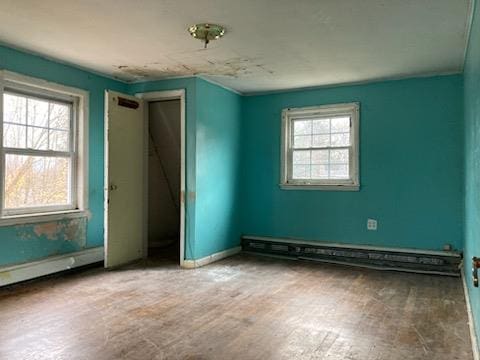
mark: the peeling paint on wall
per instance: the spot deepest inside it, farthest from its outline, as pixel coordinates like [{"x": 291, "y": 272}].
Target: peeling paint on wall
[
  {"x": 68, "y": 230},
  {"x": 192, "y": 195},
  {"x": 76, "y": 231},
  {"x": 49, "y": 230}
]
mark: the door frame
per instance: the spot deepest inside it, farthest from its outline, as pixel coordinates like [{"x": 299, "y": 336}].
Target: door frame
[{"x": 163, "y": 96}]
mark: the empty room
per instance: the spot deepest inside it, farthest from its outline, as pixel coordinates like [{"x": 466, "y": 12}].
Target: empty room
[{"x": 240, "y": 179}]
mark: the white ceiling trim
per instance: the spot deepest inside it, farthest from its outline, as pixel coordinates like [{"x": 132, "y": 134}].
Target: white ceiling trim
[
  {"x": 468, "y": 30},
  {"x": 355, "y": 83}
]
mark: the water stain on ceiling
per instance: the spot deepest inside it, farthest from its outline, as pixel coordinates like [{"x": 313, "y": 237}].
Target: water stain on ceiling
[
  {"x": 304, "y": 43},
  {"x": 231, "y": 68}
]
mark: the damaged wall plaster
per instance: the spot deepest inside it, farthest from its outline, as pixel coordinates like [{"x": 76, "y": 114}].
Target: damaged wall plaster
[
  {"x": 70, "y": 230},
  {"x": 34, "y": 241},
  {"x": 29, "y": 242}
]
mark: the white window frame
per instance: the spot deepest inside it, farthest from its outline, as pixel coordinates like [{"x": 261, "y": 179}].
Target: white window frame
[
  {"x": 289, "y": 115},
  {"x": 78, "y": 152}
]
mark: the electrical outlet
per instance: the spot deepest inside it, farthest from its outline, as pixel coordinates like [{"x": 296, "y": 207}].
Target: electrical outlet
[{"x": 371, "y": 224}]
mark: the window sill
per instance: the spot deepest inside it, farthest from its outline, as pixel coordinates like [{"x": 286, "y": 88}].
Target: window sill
[
  {"x": 42, "y": 217},
  {"x": 320, "y": 187}
]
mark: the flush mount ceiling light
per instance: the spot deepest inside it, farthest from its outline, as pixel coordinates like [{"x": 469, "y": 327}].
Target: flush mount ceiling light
[{"x": 206, "y": 32}]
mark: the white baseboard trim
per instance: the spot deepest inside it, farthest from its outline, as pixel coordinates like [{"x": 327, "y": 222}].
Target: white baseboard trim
[
  {"x": 192, "y": 264},
  {"x": 471, "y": 324},
  {"x": 16, "y": 273}
]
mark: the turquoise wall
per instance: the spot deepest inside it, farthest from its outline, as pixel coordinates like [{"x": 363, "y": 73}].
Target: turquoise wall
[
  {"x": 212, "y": 147},
  {"x": 472, "y": 160},
  {"x": 213, "y": 119},
  {"x": 218, "y": 169},
  {"x": 411, "y": 166},
  {"x": 411, "y": 161},
  {"x": 31, "y": 242}
]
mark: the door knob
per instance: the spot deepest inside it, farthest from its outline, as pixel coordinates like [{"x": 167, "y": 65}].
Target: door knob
[
  {"x": 475, "y": 266},
  {"x": 113, "y": 187}
]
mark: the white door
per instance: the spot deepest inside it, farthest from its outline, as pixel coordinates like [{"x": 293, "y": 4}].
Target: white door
[{"x": 124, "y": 178}]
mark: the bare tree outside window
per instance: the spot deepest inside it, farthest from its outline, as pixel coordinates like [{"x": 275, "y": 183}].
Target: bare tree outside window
[{"x": 38, "y": 151}]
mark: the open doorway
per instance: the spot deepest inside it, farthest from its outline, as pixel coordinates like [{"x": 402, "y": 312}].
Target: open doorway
[{"x": 164, "y": 179}]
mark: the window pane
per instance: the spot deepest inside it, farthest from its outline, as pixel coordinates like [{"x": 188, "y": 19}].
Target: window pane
[
  {"x": 320, "y": 164},
  {"x": 303, "y": 141},
  {"x": 341, "y": 124},
  {"x": 37, "y": 138},
  {"x": 301, "y": 172},
  {"x": 36, "y": 181},
  {"x": 302, "y": 127},
  {"x": 321, "y": 140},
  {"x": 301, "y": 157},
  {"x": 339, "y": 171},
  {"x": 59, "y": 116},
  {"x": 320, "y": 156},
  {"x": 59, "y": 140},
  {"x": 319, "y": 172},
  {"x": 339, "y": 156},
  {"x": 47, "y": 123},
  {"x": 14, "y": 136},
  {"x": 341, "y": 139},
  {"x": 321, "y": 126},
  {"x": 14, "y": 109},
  {"x": 37, "y": 112}
]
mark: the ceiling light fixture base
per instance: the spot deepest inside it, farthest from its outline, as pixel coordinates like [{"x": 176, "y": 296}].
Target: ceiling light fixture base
[{"x": 206, "y": 32}]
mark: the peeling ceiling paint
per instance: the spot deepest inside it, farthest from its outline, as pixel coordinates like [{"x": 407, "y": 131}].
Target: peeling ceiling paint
[
  {"x": 234, "y": 68},
  {"x": 269, "y": 45}
]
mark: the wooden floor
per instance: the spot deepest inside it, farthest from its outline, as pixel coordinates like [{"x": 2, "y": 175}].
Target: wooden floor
[{"x": 243, "y": 307}]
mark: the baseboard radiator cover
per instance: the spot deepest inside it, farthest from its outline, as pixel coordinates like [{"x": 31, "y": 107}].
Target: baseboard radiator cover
[
  {"x": 381, "y": 258},
  {"x": 50, "y": 265}
]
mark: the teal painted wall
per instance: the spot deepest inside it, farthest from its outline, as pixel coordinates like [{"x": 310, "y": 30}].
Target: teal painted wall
[
  {"x": 218, "y": 153},
  {"x": 218, "y": 169},
  {"x": 411, "y": 166},
  {"x": 32, "y": 242},
  {"x": 411, "y": 163},
  {"x": 472, "y": 160},
  {"x": 213, "y": 119}
]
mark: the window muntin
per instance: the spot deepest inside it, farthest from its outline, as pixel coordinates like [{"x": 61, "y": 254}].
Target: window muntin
[
  {"x": 320, "y": 146},
  {"x": 38, "y": 153}
]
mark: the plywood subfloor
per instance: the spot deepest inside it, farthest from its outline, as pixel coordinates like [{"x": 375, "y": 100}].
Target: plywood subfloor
[{"x": 243, "y": 307}]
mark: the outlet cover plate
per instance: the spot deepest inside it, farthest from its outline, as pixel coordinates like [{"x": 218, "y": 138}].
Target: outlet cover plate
[{"x": 371, "y": 224}]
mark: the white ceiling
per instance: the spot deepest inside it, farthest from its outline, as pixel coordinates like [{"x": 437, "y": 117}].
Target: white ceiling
[{"x": 269, "y": 44}]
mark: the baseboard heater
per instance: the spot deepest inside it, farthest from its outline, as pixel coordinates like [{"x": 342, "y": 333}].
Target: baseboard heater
[{"x": 381, "y": 258}]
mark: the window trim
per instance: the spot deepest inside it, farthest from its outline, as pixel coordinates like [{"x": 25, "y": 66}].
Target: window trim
[
  {"x": 288, "y": 115},
  {"x": 25, "y": 85}
]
